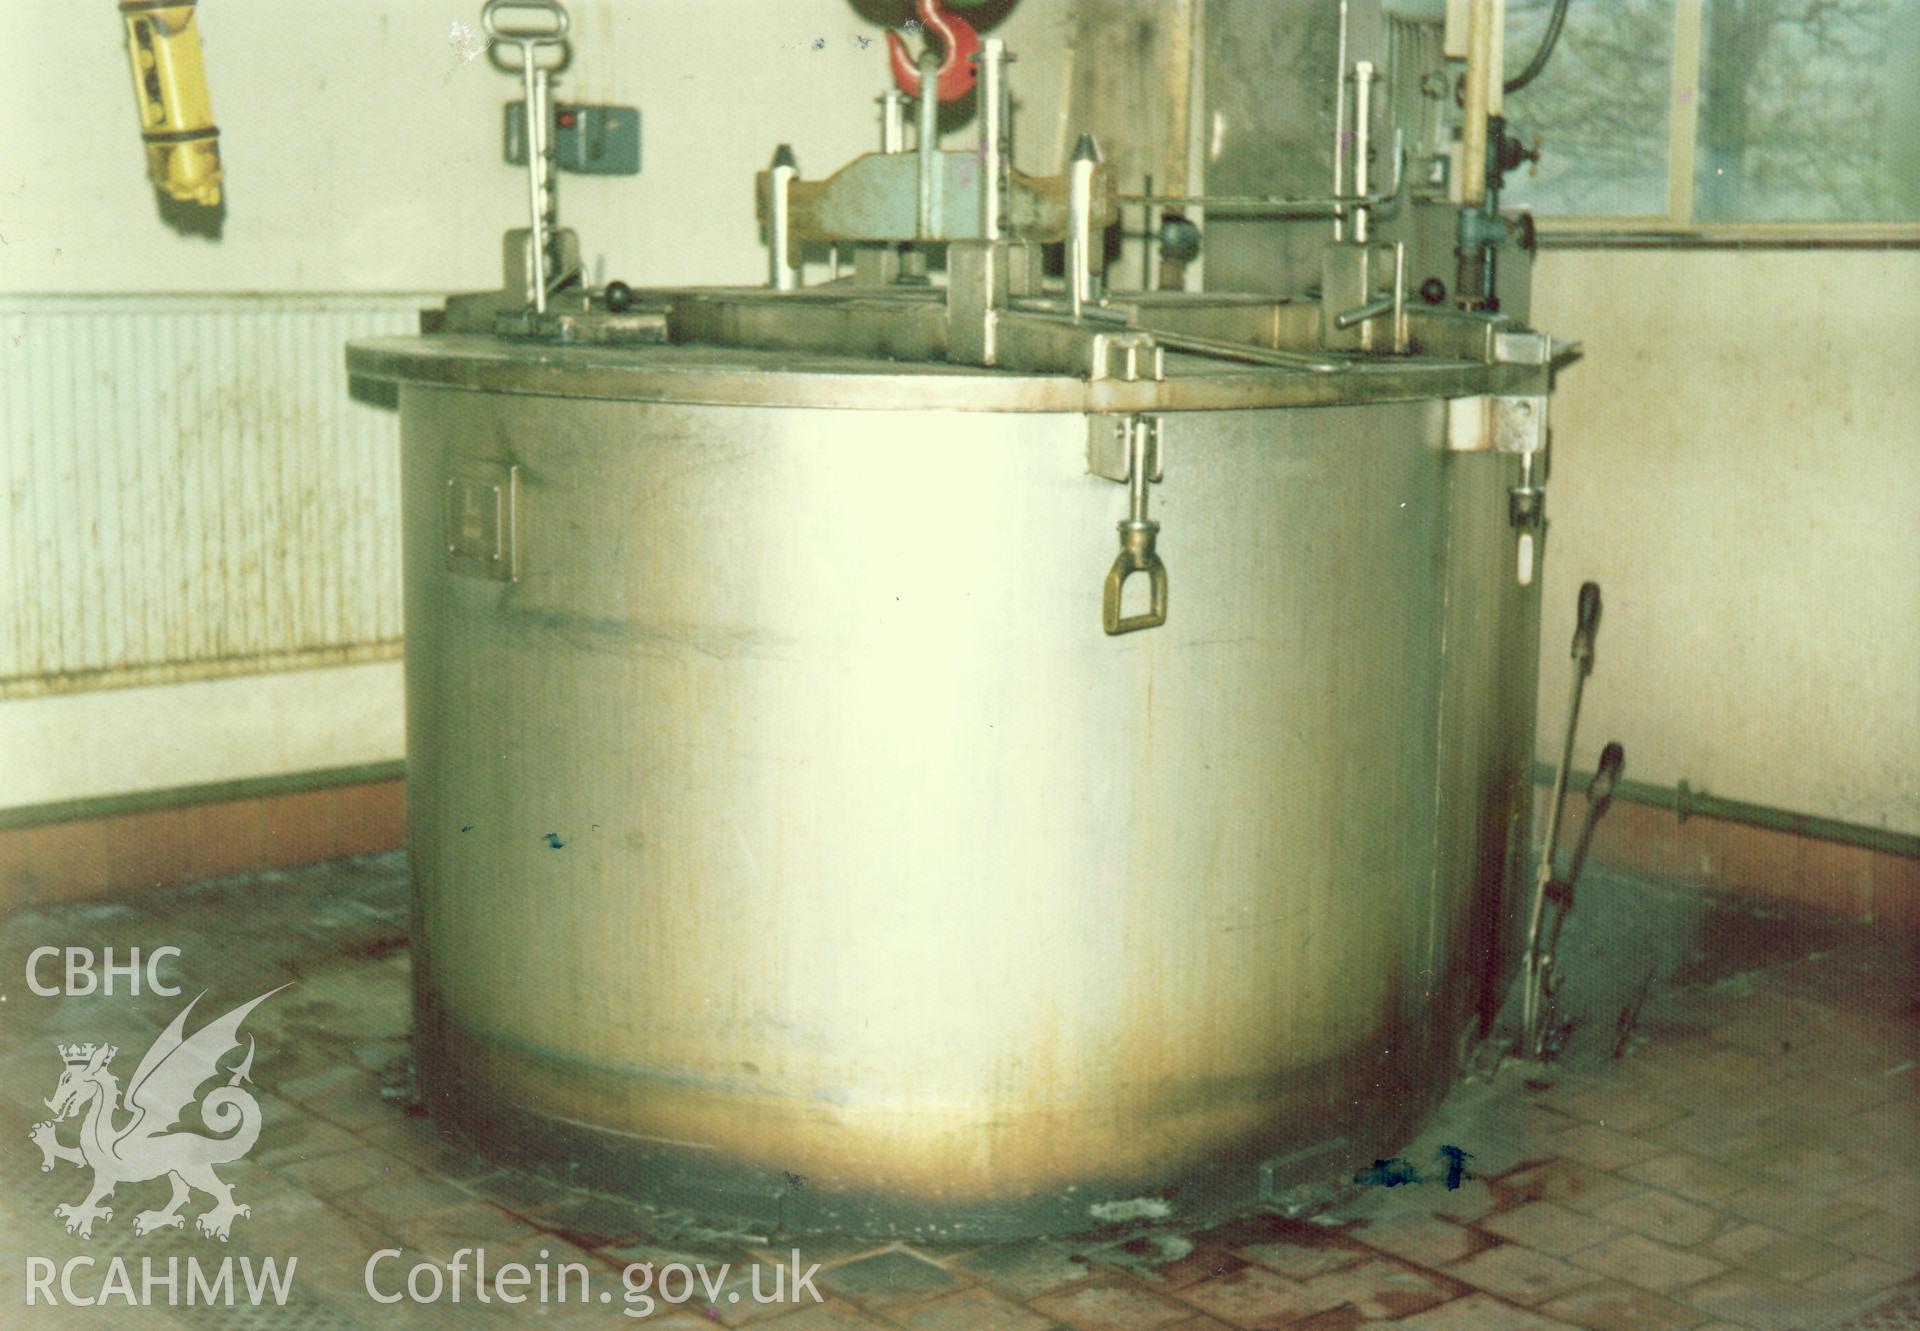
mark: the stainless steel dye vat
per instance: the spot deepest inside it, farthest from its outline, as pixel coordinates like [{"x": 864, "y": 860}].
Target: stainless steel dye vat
[{"x": 790, "y": 843}]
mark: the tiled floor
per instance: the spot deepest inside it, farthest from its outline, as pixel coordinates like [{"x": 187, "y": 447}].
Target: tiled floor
[{"x": 1751, "y": 1159}]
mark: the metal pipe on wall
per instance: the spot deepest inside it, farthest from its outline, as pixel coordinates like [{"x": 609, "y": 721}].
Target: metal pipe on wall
[{"x": 1686, "y": 802}]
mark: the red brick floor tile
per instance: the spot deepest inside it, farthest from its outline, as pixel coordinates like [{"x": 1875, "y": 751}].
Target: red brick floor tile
[
  {"x": 1478, "y": 1312},
  {"x": 1026, "y": 1267},
  {"x": 1810, "y": 1167},
  {"x": 1520, "y": 1275},
  {"x": 1549, "y": 1227},
  {"x": 1603, "y": 1148},
  {"x": 1385, "y": 1289},
  {"x": 1257, "y": 1299},
  {"x": 1108, "y": 1305},
  {"x": 1638, "y": 1260},
  {"x": 1424, "y": 1240},
  {"x": 1300, "y": 1263},
  {"x": 887, "y": 1279},
  {"x": 1895, "y": 1193},
  {"x": 1792, "y": 1209},
  {"x": 822, "y": 1317},
  {"x": 971, "y": 1310},
  {"x": 1858, "y": 1278},
  {"x": 1622, "y": 1110},
  {"x": 1787, "y": 1257},
  {"x": 1613, "y": 1306},
  {"x": 1693, "y": 1177},
  {"x": 1750, "y": 1299},
  {"x": 1470, "y": 1201},
  {"x": 1574, "y": 1185},
  {"x": 1882, "y": 1235},
  {"x": 1202, "y": 1262},
  {"x": 1666, "y": 1218}
]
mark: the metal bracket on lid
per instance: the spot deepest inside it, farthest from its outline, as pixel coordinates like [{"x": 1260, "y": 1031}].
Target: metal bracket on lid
[
  {"x": 1127, "y": 449},
  {"x": 1497, "y": 424}
]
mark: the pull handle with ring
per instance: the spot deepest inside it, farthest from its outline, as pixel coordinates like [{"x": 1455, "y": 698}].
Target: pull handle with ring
[
  {"x": 501, "y": 30},
  {"x": 1138, "y": 533},
  {"x": 549, "y": 30}
]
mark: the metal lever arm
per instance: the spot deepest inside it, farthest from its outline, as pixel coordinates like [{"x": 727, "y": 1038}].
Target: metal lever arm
[
  {"x": 1560, "y": 896},
  {"x": 1586, "y": 626}
]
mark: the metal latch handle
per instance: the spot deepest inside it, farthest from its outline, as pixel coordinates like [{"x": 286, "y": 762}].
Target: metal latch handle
[
  {"x": 1138, "y": 533},
  {"x": 1136, "y": 556}
]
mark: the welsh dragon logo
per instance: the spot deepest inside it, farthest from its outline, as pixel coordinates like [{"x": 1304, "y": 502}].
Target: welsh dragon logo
[{"x": 132, "y": 1141}]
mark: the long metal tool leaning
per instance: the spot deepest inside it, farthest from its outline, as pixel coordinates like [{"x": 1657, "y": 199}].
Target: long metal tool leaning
[{"x": 1538, "y": 978}]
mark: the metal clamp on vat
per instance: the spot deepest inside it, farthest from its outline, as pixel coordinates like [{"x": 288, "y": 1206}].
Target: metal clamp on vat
[{"x": 1140, "y": 437}]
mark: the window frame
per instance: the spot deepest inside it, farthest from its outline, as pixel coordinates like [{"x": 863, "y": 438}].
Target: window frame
[{"x": 1677, "y": 226}]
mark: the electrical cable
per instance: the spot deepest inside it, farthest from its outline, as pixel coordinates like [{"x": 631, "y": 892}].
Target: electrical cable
[{"x": 1539, "y": 61}]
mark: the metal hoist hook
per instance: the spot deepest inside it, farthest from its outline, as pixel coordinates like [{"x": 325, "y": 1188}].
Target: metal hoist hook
[
  {"x": 956, "y": 74},
  {"x": 1138, "y": 533}
]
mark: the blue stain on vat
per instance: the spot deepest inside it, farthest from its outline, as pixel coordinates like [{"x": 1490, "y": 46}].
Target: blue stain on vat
[
  {"x": 1395, "y": 1172},
  {"x": 554, "y": 842}
]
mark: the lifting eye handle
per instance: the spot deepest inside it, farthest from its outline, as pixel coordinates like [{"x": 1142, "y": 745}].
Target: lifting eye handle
[
  {"x": 548, "y": 28},
  {"x": 957, "y": 73}
]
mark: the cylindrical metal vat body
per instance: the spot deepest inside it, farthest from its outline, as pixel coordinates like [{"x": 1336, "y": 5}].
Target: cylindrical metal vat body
[{"x": 789, "y": 839}]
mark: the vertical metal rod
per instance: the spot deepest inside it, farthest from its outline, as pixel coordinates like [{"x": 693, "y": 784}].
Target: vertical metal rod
[
  {"x": 1362, "y": 141},
  {"x": 1150, "y": 233},
  {"x": 1400, "y": 335},
  {"x": 539, "y": 184},
  {"x": 992, "y": 135},
  {"x": 1530, "y": 992},
  {"x": 779, "y": 220},
  {"x": 893, "y": 121},
  {"x": 929, "y": 144},
  {"x": 1086, "y": 156},
  {"x": 1137, "y": 469},
  {"x": 1340, "y": 125}
]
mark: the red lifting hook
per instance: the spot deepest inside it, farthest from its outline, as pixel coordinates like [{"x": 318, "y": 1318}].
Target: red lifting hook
[{"x": 956, "y": 71}]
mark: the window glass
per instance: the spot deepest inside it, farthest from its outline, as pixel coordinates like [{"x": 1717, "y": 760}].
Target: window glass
[
  {"x": 1808, "y": 111},
  {"x": 1599, "y": 107}
]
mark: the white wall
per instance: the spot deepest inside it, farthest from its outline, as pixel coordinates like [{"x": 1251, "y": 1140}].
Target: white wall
[
  {"x": 110, "y": 741},
  {"x": 1737, "y": 463}
]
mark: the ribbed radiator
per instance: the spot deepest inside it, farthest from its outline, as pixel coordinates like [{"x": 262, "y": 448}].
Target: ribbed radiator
[{"x": 191, "y": 491}]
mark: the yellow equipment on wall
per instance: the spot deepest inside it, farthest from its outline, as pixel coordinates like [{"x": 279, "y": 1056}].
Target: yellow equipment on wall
[{"x": 170, "y": 85}]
